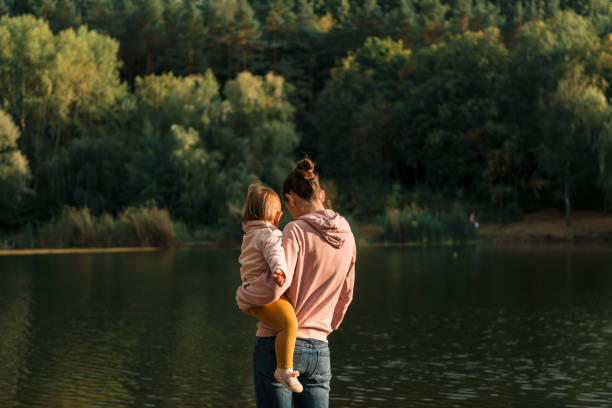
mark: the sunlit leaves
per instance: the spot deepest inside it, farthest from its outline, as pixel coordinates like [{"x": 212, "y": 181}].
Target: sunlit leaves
[
  {"x": 14, "y": 170},
  {"x": 575, "y": 123}
]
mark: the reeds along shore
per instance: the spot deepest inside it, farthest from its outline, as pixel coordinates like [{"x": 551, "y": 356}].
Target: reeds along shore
[
  {"x": 141, "y": 226},
  {"x": 149, "y": 226}
]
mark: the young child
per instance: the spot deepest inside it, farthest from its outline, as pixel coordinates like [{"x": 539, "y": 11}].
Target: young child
[{"x": 262, "y": 252}]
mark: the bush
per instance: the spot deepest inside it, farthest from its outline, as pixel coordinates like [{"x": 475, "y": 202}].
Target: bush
[
  {"x": 416, "y": 224},
  {"x": 145, "y": 225}
]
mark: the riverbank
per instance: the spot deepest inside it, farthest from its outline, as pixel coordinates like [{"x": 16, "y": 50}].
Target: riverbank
[
  {"x": 548, "y": 226},
  {"x": 52, "y": 251},
  {"x": 542, "y": 227}
]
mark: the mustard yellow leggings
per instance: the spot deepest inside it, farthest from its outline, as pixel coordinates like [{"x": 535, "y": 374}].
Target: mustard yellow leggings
[{"x": 280, "y": 315}]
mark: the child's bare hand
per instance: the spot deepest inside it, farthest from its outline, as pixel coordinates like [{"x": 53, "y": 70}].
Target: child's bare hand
[{"x": 279, "y": 277}]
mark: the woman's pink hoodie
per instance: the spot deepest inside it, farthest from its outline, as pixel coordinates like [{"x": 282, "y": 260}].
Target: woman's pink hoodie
[{"x": 320, "y": 253}]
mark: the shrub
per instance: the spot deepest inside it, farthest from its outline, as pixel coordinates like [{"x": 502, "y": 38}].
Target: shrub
[
  {"x": 416, "y": 224},
  {"x": 145, "y": 225}
]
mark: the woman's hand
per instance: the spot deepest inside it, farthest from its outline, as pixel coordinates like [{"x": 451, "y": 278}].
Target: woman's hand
[{"x": 279, "y": 277}]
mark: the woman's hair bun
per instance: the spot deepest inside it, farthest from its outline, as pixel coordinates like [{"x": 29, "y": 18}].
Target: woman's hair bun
[
  {"x": 305, "y": 169},
  {"x": 302, "y": 180}
]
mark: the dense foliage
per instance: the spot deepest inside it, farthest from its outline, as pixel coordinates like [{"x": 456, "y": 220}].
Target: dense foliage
[{"x": 497, "y": 106}]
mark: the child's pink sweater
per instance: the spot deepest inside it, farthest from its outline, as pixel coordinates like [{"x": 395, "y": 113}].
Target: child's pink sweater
[
  {"x": 320, "y": 254},
  {"x": 261, "y": 251}
]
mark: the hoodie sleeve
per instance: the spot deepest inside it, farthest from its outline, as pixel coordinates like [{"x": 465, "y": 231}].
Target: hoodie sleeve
[
  {"x": 272, "y": 249},
  {"x": 346, "y": 295},
  {"x": 291, "y": 245}
]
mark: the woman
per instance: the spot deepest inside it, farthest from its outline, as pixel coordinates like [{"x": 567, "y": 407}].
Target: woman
[{"x": 320, "y": 252}]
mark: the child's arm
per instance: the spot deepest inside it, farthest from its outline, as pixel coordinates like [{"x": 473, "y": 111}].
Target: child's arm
[
  {"x": 275, "y": 257},
  {"x": 279, "y": 277}
]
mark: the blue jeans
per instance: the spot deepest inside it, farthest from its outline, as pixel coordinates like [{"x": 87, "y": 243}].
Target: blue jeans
[{"x": 310, "y": 358}]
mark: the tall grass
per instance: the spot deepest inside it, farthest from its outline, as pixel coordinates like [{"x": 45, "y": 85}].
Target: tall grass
[
  {"x": 416, "y": 224},
  {"x": 145, "y": 225}
]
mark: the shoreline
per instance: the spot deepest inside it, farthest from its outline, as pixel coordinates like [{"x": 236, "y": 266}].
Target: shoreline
[
  {"x": 54, "y": 251},
  {"x": 548, "y": 227},
  {"x": 542, "y": 228},
  {"x": 533, "y": 241}
]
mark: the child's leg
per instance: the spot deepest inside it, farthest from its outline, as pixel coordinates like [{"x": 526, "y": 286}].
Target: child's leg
[{"x": 281, "y": 316}]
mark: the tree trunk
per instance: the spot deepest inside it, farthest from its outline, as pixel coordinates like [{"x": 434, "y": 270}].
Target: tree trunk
[
  {"x": 311, "y": 82},
  {"x": 275, "y": 49},
  {"x": 57, "y": 140},
  {"x": 567, "y": 206},
  {"x": 149, "y": 60}
]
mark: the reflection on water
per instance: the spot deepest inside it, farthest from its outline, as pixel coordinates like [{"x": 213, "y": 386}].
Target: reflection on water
[
  {"x": 15, "y": 300},
  {"x": 487, "y": 327}
]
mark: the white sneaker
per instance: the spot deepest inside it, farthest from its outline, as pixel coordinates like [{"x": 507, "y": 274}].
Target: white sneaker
[{"x": 288, "y": 378}]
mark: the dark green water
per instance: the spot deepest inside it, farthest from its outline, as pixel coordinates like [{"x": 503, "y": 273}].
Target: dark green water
[{"x": 487, "y": 328}]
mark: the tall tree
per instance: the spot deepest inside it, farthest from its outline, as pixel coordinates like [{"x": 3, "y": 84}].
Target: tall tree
[
  {"x": 574, "y": 119},
  {"x": 541, "y": 53},
  {"x": 85, "y": 80},
  {"x": 61, "y": 14},
  {"x": 183, "y": 32},
  {"x": 14, "y": 171},
  {"x": 364, "y": 91},
  {"x": 27, "y": 54},
  {"x": 139, "y": 33},
  {"x": 454, "y": 112},
  {"x": 231, "y": 35}
]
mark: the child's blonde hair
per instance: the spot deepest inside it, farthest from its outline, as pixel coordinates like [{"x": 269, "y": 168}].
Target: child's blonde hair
[{"x": 262, "y": 203}]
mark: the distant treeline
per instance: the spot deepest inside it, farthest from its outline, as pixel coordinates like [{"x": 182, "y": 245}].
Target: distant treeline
[{"x": 497, "y": 107}]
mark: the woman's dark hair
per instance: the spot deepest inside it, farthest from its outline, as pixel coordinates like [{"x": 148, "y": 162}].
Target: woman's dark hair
[{"x": 303, "y": 181}]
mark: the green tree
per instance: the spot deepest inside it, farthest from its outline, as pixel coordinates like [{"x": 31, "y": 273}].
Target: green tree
[
  {"x": 89, "y": 173},
  {"x": 183, "y": 31},
  {"x": 574, "y": 118},
  {"x": 455, "y": 112},
  {"x": 57, "y": 87},
  {"x": 162, "y": 103},
  {"x": 599, "y": 13},
  {"x": 103, "y": 16},
  {"x": 5, "y": 7},
  {"x": 475, "y": 15},
  {"x": 27, "y": 52},
  {"x": 85, "y": 80},
  {"x": 19, "y": 7},
  {"x": 196, "y": 152},
  {"x": 167, "y": 99},
  {"x": 354, "y": 126},
  {"x": 231, "y": 35},
  {"x": 542, "y": 51},
  {"x": 296, "y": 46},
  {"x": 14, "y": 171},
  {"x": 603, "y": 148},
  {"x": 60, "y": 14},
  {"x": 260, "y": 119},
  {"x": 139, "y": 31}
]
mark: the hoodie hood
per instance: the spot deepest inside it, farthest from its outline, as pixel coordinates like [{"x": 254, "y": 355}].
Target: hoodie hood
[
  {"x": 332, "y": 227},
  {"x": 257, "y": 224}
]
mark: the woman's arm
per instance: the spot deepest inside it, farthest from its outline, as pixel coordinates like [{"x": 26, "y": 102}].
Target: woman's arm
[
  {"x": 291, "y": 245},
  {"x": 346, "y": 295}
]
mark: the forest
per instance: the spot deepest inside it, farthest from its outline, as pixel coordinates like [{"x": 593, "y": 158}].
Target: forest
[{"x": 125, "y": 121}]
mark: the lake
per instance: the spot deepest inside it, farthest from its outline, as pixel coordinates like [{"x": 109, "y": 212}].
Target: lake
[{"x": 429, "y": 327}]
